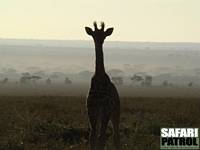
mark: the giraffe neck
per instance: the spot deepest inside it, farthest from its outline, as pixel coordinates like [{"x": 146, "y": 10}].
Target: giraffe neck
[{"x": 99, "y": 68}]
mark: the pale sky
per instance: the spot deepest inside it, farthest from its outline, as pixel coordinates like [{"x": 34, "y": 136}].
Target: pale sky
[{"x": 133, "y": 20}]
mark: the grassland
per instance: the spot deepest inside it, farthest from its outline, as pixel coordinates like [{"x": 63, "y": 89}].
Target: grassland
[{"x": 60, "y": 122}]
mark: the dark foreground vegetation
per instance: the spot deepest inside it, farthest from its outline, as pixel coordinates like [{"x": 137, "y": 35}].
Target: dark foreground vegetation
[{"x": 60, "y": 123}]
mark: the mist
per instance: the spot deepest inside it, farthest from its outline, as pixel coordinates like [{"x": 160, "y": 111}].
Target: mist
[{"x": 176, "y": 63}]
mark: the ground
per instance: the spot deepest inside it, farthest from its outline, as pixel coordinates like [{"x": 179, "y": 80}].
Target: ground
[{"x": 60, "y": 122}]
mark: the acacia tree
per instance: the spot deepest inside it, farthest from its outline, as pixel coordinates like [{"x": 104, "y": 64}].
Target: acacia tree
[
  {"x": 28, "y": 78},
  {"x": 137, "y": 78},
  {"x": 25, "y": 78},
  {"x": 34, "y": 78}
]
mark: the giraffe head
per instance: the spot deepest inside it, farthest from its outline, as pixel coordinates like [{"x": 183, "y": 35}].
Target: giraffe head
[{"x": 99, "y": 35}]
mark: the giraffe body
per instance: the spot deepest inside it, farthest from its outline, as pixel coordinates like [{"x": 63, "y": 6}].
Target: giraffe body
[{"x": 103, "y": 103}]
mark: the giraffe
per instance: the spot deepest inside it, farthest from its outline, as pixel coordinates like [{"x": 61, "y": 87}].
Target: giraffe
[{"x": 103, "y": 103}]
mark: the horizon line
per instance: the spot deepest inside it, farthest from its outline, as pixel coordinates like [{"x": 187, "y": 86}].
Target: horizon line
[{"x": 126, "y": 41}]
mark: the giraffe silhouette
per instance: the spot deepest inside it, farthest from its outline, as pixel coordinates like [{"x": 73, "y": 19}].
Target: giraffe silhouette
[{"x": 103, "y": 103}]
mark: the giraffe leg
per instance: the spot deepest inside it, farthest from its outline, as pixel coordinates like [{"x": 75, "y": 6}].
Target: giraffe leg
[
  {"x": 93, "y": 132},
  {"x": 104, "y": 124},
  {"x": 115, "y": 119}
]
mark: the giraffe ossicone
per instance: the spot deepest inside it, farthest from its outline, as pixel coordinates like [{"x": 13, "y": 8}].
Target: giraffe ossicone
[{"x": 99, "y": 33}]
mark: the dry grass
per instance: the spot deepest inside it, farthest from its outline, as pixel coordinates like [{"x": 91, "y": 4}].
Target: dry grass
[{"x": 60, "y": 123}]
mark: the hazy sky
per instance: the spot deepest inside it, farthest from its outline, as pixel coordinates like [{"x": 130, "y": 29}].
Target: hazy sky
[{"x": 134, "y": 20}]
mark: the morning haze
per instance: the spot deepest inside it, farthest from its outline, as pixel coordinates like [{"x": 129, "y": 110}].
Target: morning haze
[{"x": 170, "y": 65}]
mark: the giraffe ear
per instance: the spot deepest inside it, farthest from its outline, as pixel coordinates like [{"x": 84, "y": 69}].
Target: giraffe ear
[
  {"x": 109, "y": 31},
  {"x": 88, "y": 30}
]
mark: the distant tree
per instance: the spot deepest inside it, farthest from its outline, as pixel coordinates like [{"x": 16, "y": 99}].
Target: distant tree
[
  {"x": 48, "y": 81},
  {"x": 165, "y": 83},
  {"x": 4, "y": 81},
  {"x": 34, "y": 78},
  {"x": 118, "y": 80},
  {"x": 28, "y": 78},
  {"x": 68, "y": 81},
  {"x": 190, "y": 84},
  {"x": 148, "y": 80},
  {"x": 24, "y": 79},
  {"x": 144, "y": 80},
  {"x": 26, "y": 74},
  {"x": 40, "y": 73},
  {"x": 137, "y": 78}
]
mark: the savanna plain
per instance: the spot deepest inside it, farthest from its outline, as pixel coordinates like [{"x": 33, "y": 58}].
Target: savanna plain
[{"x": 60, "y": 122}]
